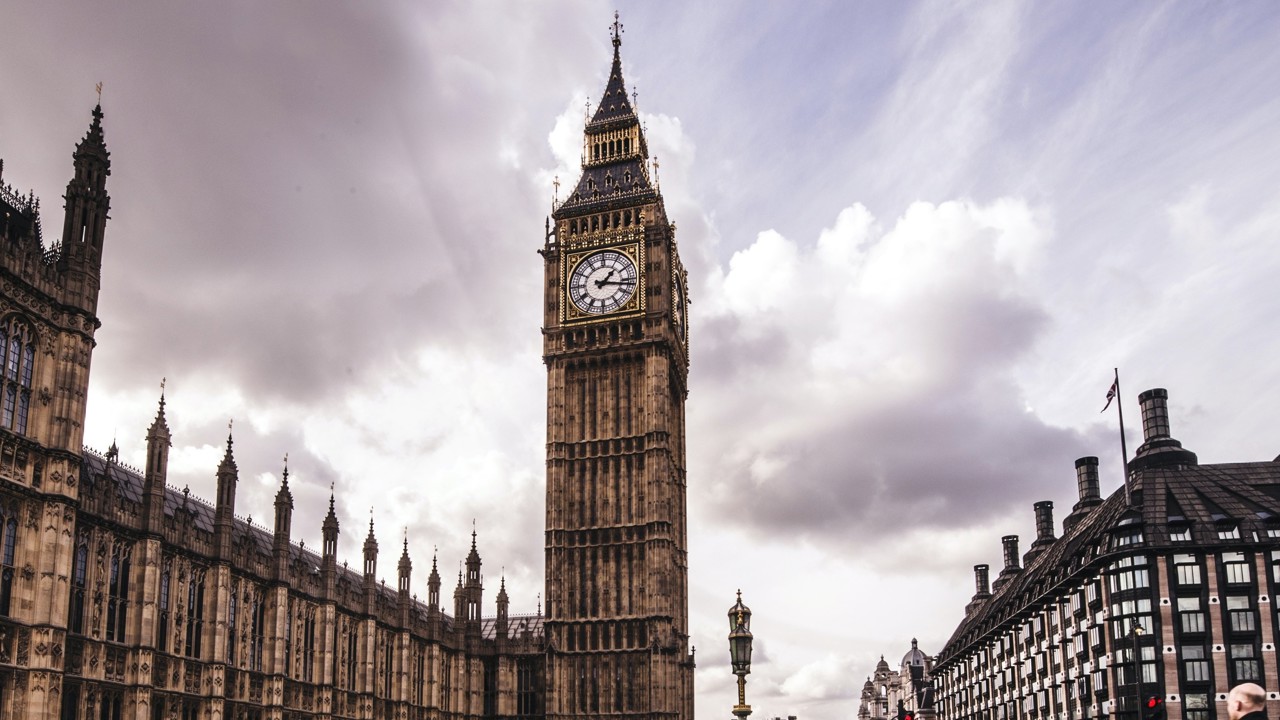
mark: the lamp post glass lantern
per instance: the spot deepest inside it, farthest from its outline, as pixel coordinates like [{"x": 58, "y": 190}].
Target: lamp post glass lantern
[{"x": 740, "y": 652}]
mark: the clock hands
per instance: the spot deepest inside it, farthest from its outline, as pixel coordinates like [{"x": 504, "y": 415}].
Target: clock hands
[
  {"x": 624, "y": 281},
  {"x": 601, "y": 283}
]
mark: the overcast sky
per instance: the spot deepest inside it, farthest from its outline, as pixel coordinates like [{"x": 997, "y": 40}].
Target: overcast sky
[{"x": 919, "y": 235}]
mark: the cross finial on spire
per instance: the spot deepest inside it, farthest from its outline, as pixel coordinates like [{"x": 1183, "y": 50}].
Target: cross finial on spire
[{"x": 617, "y": 30}]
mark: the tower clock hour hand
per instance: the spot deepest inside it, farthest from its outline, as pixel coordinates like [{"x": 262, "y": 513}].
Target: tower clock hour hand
[{"x": 605, "y": 280}]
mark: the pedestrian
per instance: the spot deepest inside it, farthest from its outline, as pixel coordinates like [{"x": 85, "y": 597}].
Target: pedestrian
[{"x": 1247, "y": 701}]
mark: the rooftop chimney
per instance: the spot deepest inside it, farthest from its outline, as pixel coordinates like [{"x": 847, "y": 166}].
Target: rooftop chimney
[
  {"x": 1011, "y": 566},
  {"x": 1090, "y": 498},
  {"x": 1159, "y": 449},
  {"x": 982, "y": 586},
  {"x": 981, "y": 576},
  {"x": 1044, "y": 530}
]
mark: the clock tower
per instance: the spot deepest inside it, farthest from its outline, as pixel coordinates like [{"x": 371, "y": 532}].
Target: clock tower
[{"x": 615, "y": 342}]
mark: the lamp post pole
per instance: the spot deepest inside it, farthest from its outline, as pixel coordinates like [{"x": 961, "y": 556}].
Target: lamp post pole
[
  {"x": 740, "y": 652},
  {"x": 1137, "y": 673}
]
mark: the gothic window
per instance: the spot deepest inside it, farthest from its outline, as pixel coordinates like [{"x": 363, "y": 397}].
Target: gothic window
[
  {"x": 118, "y": 593},
  {"x": 110, "y": 705},
  {"x": 194, "y": 614},
  {"x": 351, "y": 657},
  {"x": 387, "y": 650},
  {"x": 420, "y": 675},
  {"x": 79, "y": 564},
  {"x": 8, "y": 549},
  {"x": 258, "y": 634},
  {"x": 490, "y": 688},
  {"x": 17, "y": 358},
  {"x": 231, "y": 623},
  {"x": 288, "y": 637},
  {"x": 162, "y": 640},
  {"x": 70, "y": 700},
  {"x": 308, "y": 644}
]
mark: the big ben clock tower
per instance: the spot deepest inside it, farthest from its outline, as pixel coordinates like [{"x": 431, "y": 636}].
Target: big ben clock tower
[{"x": 616, "y": 347}]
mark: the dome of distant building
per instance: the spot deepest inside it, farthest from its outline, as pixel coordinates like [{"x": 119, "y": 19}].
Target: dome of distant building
[{"x": 914, "y": 656}]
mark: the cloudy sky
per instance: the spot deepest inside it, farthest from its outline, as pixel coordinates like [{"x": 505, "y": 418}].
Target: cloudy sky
[{"x": 920, "y": 236}]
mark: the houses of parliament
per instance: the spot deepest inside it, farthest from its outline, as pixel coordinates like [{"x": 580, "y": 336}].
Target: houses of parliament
[{"x": 122, "y": 598}]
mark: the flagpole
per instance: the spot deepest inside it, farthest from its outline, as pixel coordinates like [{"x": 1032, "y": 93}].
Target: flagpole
[{"x": 1124, "y": 450}]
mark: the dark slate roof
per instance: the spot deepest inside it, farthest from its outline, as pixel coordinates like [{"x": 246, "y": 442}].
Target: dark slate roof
[
  {"x": 1205, "y": 497},
  {"x": 614, "y": 104},
  {"x": 517, "y": 627},
  {"x": 592, "y": 194}
]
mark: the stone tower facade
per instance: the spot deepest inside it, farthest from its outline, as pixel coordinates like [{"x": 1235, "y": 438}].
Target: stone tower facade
[
  {"x": 616, "y": 349},
  {"x": 48, "y": 316}
]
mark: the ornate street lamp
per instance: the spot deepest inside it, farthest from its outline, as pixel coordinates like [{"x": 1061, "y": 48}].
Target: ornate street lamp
[
  {"x": 740, "y": 652},
  {"x": 1137, "y": 672}
]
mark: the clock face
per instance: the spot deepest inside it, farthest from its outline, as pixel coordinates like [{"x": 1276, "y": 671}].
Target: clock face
[
  {"x": 678, "y": 307},
  {"x": 602, "y": 282}
]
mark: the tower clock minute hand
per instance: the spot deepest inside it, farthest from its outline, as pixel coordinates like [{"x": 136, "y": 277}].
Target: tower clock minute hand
[{"x": 602, "y": 283}]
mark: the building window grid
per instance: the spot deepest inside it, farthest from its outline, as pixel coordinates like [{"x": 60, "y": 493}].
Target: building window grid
[
  {"x": 1236, "y": 568},
  {"x": 1187, "y": 570},
  {"x": 1244, "y": 663}
]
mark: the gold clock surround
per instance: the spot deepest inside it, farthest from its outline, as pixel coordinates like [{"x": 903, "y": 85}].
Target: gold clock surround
[{"x": 569, "y": 312}]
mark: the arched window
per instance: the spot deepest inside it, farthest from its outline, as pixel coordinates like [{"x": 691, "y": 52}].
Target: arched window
[
  {"x": 17, "y": 359},
  {"x": 8, "y": 548},
  {"x": 118, "y": 593},
  {"x": 75, "y": 616}
]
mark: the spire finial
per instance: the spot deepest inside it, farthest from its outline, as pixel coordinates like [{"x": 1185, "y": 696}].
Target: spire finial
[
  {"x": 330, "y": 497},
  {"x": 285, "y": 483},
  {"x": 617, "y": 30},
  {"x": 98, "y": 87},
  {"x": 230, "y": 421},
  {"x": 162, "y": 382}
]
